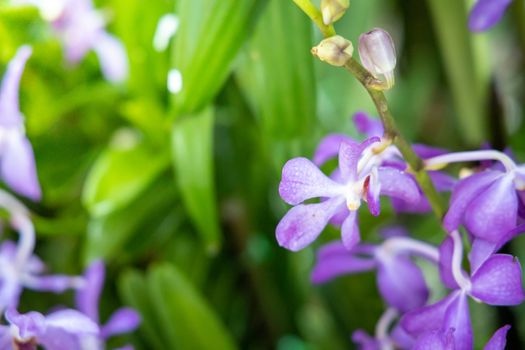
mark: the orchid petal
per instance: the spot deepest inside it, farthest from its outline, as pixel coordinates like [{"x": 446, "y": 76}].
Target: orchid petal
[
  {"x": 373, "y": 189},
  {"x": 481, "y": 250},
  {"x": 498, "y": 339},
  {"x": 350, "y": 231},
  {"x": 487, "y": 13},
  {"x": 494, "y": 212},
  {"x": 463, "y": 194},
  {"x": 349, "y": 155},
  {"x": 328, "y": 148},
  {"x": 31, "y": 324},
  {"x": 457, "y": 317},
  {"x": 498, "y": 281},
  {"x": 71, "y": 321},
  {"x": 53, "y": 283},
  {"x": 396, "y": 183},
  {"x": 304, "y": 223},
  {"x": 123, "y": 320},
  {"x": 367, "y": 125},
  {"x": 86, "y": 299},
  {"x": 435, "y": 340},
  {"x": 9, "y": 107},
  {"x": 364, "y": 341},
  {"x": 112, "y": 57},
  {"x": 401, "y": 283},
  {"x": 427, "y": 318},
  {"x": 445, "y": 263},
  {"x": 18, "y": 167},
  {"x": 335, "y": 260},
  {"x": 302, "y": 180}
]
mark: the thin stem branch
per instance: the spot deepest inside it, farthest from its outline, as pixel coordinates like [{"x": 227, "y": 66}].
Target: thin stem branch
[
  {"x": 316, "y": 16},
  {"x": 369, "y": 82}
]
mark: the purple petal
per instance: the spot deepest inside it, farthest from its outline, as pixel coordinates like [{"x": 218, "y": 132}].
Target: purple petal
[
  {"x": 443, "y": 182},
  {"x": 350, "y": 231},
  {"x": 112, "y": 57},
  {"x": 53, "y": 283},
  {"x": 480, "y": 252},
  {"x": 498, "y": 281},
  {"x": 457, "y": 317},
  {"x": 486, "y": 13},
  {"x": 10, "y": 290},
  {"x": 401, "y": 283},
  {"x": 427, "y": 318},
  {"x": 373, "y": 188},
  {"x": 393, "y": 231},
  {"x": 71, "y": 321},
  {"x": 303, "y": 223},
  {"x": 401, "y": 338},
  {"x": 87, "y": 298},
  {"x": 349, "y": 155},
  {"x": 328, "y": 148},
  {"x": 494, "y": 212},
  {"x": 31, "y": 324},
  {"x": 465, "y": 191},
  {"x": 445, "y": 263},
  {"x": 123, "y": 320},
  {"x": 302, "y": 180},
  {"x": 367, "y": 125},
  {"x": 364, "y": 341},
  {"x": 435, "y": 340},
  {"x": 18, "y": 167},
  {"x": 498, "y": 340},
  {"x": 396, "y": 183},
  {"x": 335, "y": 260},
  {"x": 424, "y": 151},
  {"x": 9, "y": 108}
]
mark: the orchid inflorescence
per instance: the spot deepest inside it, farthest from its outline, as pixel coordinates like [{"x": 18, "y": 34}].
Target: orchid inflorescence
[
  {"x": 487, "y": 203},
  {"x": 20, "y": 268}
]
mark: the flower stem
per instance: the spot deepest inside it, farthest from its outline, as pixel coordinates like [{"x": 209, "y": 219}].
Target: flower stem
[
  {"x": 409, "y": 245},
  {"x": 369, "y": 82},
  {"x": 316, "y": 16}
]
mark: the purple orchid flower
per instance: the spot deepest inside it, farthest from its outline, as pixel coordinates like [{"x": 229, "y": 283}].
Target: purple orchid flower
[
  {"x": 486, "y": 14},
  {"x": 497, "y": 281},
  {"x": 391, "y": 157},
  {"x": 17, "y": 160},
  {"x": 359, "y": 179},
  {"x": 488, "y": 202},
  {"x": 19, "y": 268},
  {"x": 56, "y": 331},
  {"x": 400, "y": 281},
  {"x": 123, "y": 320},
  {"x": 81, "y": 29}
]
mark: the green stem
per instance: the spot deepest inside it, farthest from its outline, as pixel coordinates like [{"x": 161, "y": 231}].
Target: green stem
[
  {"x": 366, "y": 79},
  {"x": 316, "y": 16}
]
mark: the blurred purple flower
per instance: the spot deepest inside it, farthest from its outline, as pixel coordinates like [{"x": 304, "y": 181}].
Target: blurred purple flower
[
  {"x": 486, "y": 14},
  {"x": 497, "y": 281},
  {"x": 359, "y": 179},
  {"x": 17, "y": 160},
  {"x": 123, "y": 320},
  {"x": 56, "y": 331},
  {"x": 400, "y": 281}
]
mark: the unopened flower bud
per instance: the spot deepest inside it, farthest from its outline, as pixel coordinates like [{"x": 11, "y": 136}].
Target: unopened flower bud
[
  {"x": 333, "y": 10},
  {"x": 378, "y": 54},
  {"x": 335, "y": 50}
]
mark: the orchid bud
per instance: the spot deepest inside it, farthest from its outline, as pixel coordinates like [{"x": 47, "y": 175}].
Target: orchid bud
[
  {"x": 335, "y": 50},
  {"x": 378, "y": 54},
  {"x": 333, "y": 10}
]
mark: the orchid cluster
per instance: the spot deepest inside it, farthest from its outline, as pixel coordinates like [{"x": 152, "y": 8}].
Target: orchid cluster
[
  {"x": 487, "y": 203},
  {"x": 20, "y": 268}
]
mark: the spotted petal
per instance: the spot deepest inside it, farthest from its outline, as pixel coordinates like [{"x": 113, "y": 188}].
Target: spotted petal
[
  {"x": 349, "y": 155},
  {"x": 457, "y": 317},
  {"x": 498, "y": 281},
  {"x": 302, "y": 180},
  {"x": 304, "y": 223},
  {"x": 398, "y": 184},
  {"x": 350, "y": 231}
]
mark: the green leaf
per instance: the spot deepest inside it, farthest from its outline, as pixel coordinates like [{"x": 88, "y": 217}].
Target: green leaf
[
  {"x": 192, "y": 150},
  {"x": 463, "y": 66},
  {"x": 276, "y": 73},
  {"x": 107, "y": 235},
  {"x": 180, "y": 315},
  {"x": 210, "y": 34},
  {"x": 121, "y": 173}
]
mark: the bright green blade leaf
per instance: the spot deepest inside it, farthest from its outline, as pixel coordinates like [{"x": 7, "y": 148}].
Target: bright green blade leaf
[
  {"x": 276, "y": 73},
  {"x": 184, "y": 312},
  {"x": 121, "y": 173},
  {"x": 463, "y": 67},
  {"x": 192, "y": 148},
  {"x": 210, "y": 34}
]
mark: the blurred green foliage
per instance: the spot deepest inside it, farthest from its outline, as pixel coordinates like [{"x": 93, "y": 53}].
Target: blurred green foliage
[{"x": 178, "y": 192}]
